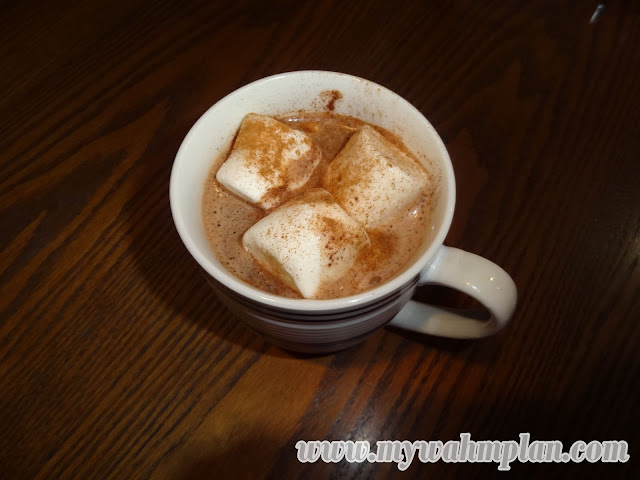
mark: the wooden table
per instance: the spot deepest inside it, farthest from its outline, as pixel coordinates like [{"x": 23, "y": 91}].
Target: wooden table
[{"x": 117, "y": 360}]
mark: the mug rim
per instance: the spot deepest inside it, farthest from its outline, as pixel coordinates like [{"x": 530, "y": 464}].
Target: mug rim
[{"x": 415, "y": 270}]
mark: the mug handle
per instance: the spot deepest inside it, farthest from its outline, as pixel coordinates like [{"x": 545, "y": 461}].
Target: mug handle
[{"x": 471, "y": 274}]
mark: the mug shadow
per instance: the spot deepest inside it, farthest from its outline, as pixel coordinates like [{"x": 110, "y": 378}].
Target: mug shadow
[{"x": 162, "y": 255}]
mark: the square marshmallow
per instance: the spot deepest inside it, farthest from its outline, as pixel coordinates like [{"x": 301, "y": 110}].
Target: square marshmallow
[
  {"x": 307, "y": 242},
  {"x": 268, "y": 161},
  {"x": 372, "y": 179}
]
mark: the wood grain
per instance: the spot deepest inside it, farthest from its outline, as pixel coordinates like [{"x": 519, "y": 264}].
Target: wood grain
[{"x": 116, "y": 359}]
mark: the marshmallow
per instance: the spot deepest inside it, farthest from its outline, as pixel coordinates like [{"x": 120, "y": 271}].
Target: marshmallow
[
  {"x": 372, "y": 179},
  {"x": 308, "y": 242},
  {"x": 268, "y": 161}
]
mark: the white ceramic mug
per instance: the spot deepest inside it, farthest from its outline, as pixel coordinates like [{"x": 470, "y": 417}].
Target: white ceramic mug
[{"x": 320, "y": 326}]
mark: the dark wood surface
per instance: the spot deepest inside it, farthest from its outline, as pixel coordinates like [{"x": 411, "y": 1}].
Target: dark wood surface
[{"x": 116, "y": 359}]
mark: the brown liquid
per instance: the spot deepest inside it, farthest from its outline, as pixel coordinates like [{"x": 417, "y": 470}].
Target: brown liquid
[{"x": 393, "y": 245}]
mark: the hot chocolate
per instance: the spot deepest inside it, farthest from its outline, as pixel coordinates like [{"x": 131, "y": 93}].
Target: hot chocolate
[{"x": 393, "y": 238}]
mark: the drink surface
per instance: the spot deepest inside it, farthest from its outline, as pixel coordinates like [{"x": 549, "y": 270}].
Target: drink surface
[{"x": 393, "y": 244}]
